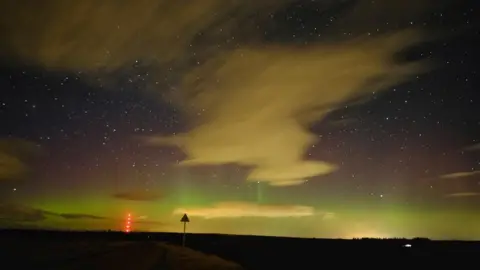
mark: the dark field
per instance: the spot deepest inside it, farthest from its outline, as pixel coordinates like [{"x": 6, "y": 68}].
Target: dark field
[{"x": 114, "y": 250}]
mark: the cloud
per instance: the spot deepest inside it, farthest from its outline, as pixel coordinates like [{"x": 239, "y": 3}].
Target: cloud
[
  {"x": 14, "y": 157},
  {"x": 257, "y": 106},
  {"x": 245, "y": 209},
  {"x": 93, "y": 35},
  {"x": 11, "y": 166},
  {"x": 107, "y": 35},
  {"x": 462, "y": 194},
  {"x": 475, "y": 147},
  {"x": 247, "y": 102},
  {"x": 138, "y": 196},
  {"x": 15, "y": 213},
  {"x": 459, "y": 175},
  {"x": 21, "y": 213},
  {"x": 79, "y": 216}
]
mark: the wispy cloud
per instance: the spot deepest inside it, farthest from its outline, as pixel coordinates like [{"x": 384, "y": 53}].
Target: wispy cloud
[
  {"x": 462, "y": 194},
  {"x": 92, "y": 35},
  {"x": 13, "y": 213},
  {"x": 20, "y": 213},
  {"x": 14, "y": 157},
  {"x": 77, "y": 216},
  {"x": 474, "y": 147},
  {"x": 246, "y": 209},
  {"x": 11, "y": 166},
  {"x": 459, "y": 175}
]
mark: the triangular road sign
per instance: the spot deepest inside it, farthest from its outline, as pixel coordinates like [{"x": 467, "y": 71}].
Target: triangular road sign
[{"x": 185, "y": 218}]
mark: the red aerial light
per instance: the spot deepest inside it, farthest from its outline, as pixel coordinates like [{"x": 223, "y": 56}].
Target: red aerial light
[{"x": 128, "y": 222}]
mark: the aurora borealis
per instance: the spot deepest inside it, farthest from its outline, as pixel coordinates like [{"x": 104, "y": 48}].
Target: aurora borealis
[{"x": 332, "y": 119}]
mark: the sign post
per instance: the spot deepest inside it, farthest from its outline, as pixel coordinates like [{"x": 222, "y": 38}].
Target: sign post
[{"x": 184, "y": 219}]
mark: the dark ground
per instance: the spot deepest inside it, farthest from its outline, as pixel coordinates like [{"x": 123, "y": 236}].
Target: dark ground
[{"x": 34, "y": 249}]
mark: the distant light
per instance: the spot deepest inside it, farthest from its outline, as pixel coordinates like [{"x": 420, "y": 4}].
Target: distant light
[{"x": 407, "y": 245}]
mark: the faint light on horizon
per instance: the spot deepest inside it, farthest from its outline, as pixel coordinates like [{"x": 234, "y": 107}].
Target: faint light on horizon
[{"x": 368, "y": 234}]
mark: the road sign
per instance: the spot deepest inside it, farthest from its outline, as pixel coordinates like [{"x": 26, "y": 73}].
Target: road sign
[{"x": 185, "y": 218}]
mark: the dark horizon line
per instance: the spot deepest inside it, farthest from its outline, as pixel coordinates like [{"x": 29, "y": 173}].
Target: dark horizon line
[{"x": 74, "y": 231}]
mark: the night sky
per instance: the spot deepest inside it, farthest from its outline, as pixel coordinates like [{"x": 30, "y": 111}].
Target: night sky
[{"x": 332, "y": 119}]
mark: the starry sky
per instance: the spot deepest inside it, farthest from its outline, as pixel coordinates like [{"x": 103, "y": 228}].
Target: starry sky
[{"x": 327, "y": 119}]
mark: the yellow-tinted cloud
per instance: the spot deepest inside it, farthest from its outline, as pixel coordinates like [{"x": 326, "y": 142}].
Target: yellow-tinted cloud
[
  {"x": 462, "y": 194},
  {"x": 245, "y": 209},
  {"x": 459, "y": 175},
  {"x": 10, "y": 166},
  {"x": 92, "y": 35},
  {"x": 14, "y": 154},
  {"x": 251, "y": 105},
  {"x": 256, "y": 107}
]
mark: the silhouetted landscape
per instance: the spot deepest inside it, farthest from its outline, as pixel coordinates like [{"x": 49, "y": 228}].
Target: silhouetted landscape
[{"x": 36, "y": 249}]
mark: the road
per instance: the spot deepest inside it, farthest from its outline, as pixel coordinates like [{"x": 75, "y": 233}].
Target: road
[
  {"x": 132, "y": 256},
  {"x": 135, "y": 255}
]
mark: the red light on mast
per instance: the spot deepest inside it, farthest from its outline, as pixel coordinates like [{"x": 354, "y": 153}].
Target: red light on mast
[{"x": 128, "y": 227}]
